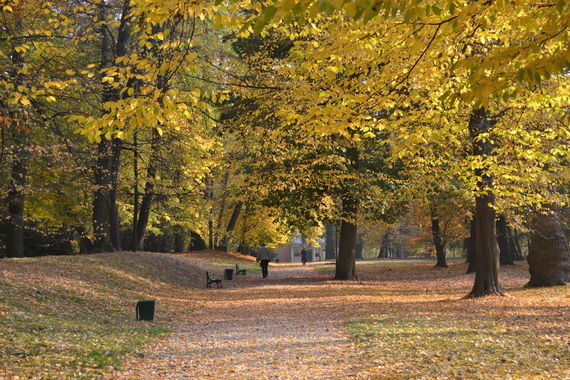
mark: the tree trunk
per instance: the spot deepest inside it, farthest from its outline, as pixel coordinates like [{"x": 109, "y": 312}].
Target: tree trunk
[
  {"x": 134, "y": 237},
  {"x": 114, "y": 221},
  {"x": 438, "y": 241},
  {"x": 345, "y": 263},
  {"x": 383, "y": 251},
  {"x": 472, "y": 247},
  {"x": 549, "y": 254},
  {"x": 218, "y": 237},
  {"x": 506, "y": 254},
  {"x": 16, "y": 193},
  {"x": 179, "y": 240},
  {"x": 102, "y": 200},
  {"x": 487, "y": 249},
  {"x": 515, "y": 243},
  {"x": 106, "y": 223},
  {"x": 330, "y": 244},
  {"x": 359, "y": 247},
  {"x": 15, "y": 200},
  {"x": 148, "y": 196},
  {"x": 231, "y": 226}
]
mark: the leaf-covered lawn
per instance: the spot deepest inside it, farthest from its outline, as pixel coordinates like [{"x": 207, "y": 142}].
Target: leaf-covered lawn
[
  {"x": 74, "y": 317},
  {"x": 63, "y": 317},
  {"x": 417, "y": 323},
  {"x": 219, "y": 261}
]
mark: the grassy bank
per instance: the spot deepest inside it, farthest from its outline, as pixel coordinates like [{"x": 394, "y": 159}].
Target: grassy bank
[
  {"x": 74, "y": 316},
  {"x": 417, "y": 323}
]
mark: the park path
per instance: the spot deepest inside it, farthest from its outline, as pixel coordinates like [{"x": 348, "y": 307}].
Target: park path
[{"x": 279, "y": 328}]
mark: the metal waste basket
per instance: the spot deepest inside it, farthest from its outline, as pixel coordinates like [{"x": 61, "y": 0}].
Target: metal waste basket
[
  {"x": 145, "y": 310},
  {"x": 228, "y": 274}
]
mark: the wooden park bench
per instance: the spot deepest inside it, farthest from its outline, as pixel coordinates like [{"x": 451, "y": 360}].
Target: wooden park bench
[
  {"x": 212, "y": 280},
  {"x": 239, "y": 270}
]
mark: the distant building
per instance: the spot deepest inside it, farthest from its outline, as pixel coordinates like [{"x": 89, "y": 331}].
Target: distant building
[{"x": 291, "y": 253}]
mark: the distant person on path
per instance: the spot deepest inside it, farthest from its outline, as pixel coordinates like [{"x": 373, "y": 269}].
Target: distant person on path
[
  {"x": 304, "y": 256},
  {"x": 263, "y": 258}
]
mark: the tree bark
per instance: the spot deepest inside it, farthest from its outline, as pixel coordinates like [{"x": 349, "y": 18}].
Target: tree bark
[
  {"x": 102, "y": 200},
  {"x": 15, "y": 199},
  {"x": 218, "y": 237},
  {"x": 383, "y": 250},
  {"x": 359, "y": 246},
  {"x": 487, "y": 249},
  {"x": 345, "y": 263},
  {"x": 438, "y": 241},
  {"x": 146, "y": 201},
  {"x": 134, "y": 237},
  {"x": 515, "y": 243},
  {"x": 549, "y": 254},
  {"x": 506, "y": 254},
  {"x": 330, "y": 244},
  {"x": 231, "y": 226},
  {"x": 106, "y": 223},
  {"x": 114, "y": 221}
]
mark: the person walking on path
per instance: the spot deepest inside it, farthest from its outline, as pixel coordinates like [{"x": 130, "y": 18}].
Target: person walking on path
[
  {"x": 304, "y": 256},
  {"x": 263, "y": 257}
]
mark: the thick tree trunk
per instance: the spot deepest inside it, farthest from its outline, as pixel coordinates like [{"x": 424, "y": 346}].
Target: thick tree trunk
[
  {"x": 487, "y": 249},
  {"x": 549, "y": 254},
  {"x": 345, "y": 263},
  {"x": 438, "y": 241},
  {"x": 506, "y": 254},
  {"x": 330, "y": 243}
]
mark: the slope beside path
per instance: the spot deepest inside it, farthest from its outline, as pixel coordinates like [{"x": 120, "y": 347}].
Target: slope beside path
[{"x": 275, "y": 328}]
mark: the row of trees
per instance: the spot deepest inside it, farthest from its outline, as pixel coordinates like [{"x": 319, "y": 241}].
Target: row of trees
[{"x": 243, "y": 121}]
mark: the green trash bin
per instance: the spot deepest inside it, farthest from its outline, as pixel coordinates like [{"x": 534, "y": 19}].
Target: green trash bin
[
  {"x": 228, "y": 274},
  {"x": 145, "y": 310}
]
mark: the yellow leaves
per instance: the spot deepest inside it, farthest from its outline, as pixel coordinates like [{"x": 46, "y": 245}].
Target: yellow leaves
[{"x": 333, "y": 70}]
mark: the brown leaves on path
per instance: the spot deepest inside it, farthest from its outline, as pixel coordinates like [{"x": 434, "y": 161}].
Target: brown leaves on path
[
  {"x": 261, "y": 332},
  {"x": 409, "y": 321}
]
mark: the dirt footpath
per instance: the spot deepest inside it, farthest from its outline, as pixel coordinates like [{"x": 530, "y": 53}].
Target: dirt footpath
[{"x": 279, "y": 328}]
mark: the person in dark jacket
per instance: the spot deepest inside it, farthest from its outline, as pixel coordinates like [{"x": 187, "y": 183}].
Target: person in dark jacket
[
  {"x": 263, "y": 258},
  {"x": 304, "y": 256}
]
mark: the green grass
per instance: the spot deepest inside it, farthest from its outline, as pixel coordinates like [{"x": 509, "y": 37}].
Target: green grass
[
  {"x": 429, "y": 347},
  {"x": 373, "y": 264},
  {"x": 220, "y": 261},
  {"x": 74, "y": 317}
]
